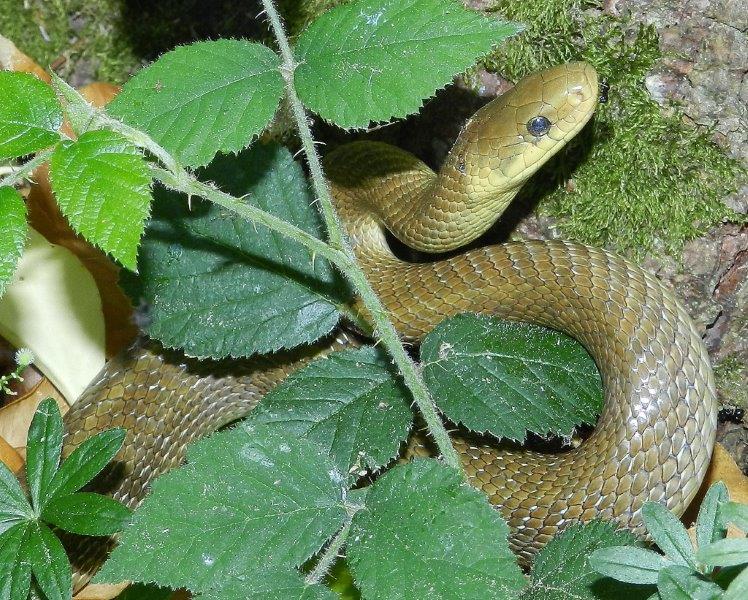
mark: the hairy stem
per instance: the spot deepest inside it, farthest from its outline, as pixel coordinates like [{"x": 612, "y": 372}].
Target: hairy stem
[
  {"x": 25, "y": 170},
  {"x": 385, "y": 330},
  {"x": 328, "y": 556}
]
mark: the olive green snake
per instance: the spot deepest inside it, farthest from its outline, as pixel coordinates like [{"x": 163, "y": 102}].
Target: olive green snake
[{"x": 654, "y": 438}]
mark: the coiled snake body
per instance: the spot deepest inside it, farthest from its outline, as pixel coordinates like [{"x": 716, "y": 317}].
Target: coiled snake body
[{"x": 654, "y": 438}]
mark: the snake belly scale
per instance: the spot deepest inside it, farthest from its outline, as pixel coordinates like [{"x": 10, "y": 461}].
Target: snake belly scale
[{"x": 654, "y": 438}]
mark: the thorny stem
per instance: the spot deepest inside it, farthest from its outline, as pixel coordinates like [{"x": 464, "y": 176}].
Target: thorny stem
[
  {"x": 85, "y": 117},
  {"x": 329, "y": 555},
  {"x": 25, "y": 170},
  {"x": 386, "y": 331}
]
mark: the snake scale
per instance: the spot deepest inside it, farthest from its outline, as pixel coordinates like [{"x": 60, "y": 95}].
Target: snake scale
[{"x": 654, "y": 438}]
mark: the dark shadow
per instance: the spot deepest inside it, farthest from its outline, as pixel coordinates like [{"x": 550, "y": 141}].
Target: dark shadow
[{"x": 153, "y": 28}]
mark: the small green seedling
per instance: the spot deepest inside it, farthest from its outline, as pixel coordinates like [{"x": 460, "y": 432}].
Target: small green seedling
[
  {"x": 715, "y": 569},
  {"x": 28, "y": 545}
]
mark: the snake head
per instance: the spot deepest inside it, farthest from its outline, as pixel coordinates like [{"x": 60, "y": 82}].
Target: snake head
[{"x": 511, "y": 137}]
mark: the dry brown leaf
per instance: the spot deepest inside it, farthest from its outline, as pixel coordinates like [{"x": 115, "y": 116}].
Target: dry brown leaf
[
  {"x": 16, "y": 416},
  {"x": 722, "y": 468},
  {"x": 12, "y": 59},
  {"x": 97, "y": 591},
  {"x": 10, "y": 456}
]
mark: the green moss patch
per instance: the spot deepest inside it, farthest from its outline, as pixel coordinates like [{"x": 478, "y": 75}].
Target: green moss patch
[{"x": 642, "y": 178}]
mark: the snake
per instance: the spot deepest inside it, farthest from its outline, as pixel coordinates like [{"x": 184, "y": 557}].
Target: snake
[{"x": 654, "y": 437}]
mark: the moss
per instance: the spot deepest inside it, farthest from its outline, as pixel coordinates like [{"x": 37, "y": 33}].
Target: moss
[
  {"x": 731, "y": 374},
  {"x": 84, "y": 32},
  {"x": 642, "y": 178}
]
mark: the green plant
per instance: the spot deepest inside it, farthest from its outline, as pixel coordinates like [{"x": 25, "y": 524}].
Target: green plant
[
  {"x": 275, "y": 521},
  {"x": 24, "y": 358},
  {"x": 709, "y": 571},
  {"x": 28, "y": 546}
]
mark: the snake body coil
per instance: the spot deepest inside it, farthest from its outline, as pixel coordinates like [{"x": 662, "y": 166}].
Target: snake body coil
[{"x": 654, "y": 438}]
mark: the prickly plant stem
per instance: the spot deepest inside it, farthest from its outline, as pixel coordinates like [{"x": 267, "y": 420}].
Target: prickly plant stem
[
  {"x": 25, "y": 170},
  {"x": 385, "y": 330},
  {"x": 328, "y": 556}
]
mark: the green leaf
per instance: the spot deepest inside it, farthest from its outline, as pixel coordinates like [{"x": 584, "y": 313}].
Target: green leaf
[
  {"x": 102, "y": 184},
  {"x": 563, "y": 565},
  {"x": 738, "y": 588},
  {"x": 681, "y": 583},
  {"x": 43, "y": 450},
  {"x": 15, "y": 572},
  {"x": 731, "y": 512},
  {"x": 85, "y": 463},
  {"x": 426, "y": 534},
  {"x": 204, "y": 98},
  {"x": 629, "y": 564},
  {"x": 216, "y": 285},
  {"x": 247, "y": 496},
  {"x": 86, "y": 513},
  {"x": 351, "y": 403},
  {"x": 13, "y": 504},
  {"x": 14, "y": 228},
  {"x": 49, "y": 563},
  {"x": 724, "y": 553},
  {"x": 506, "y": 378},
  {"x": 668, "y": 533},
  {"x": 281, "y": 584},
  {"x": 141, "y": 591},
  {"x": 373, "y": 60},
  {"x": 30, "y": 115},
  {"x": 708, "y": 527}
]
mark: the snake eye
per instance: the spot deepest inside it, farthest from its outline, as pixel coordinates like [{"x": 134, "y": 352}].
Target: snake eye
[{"x": 538, "y": 126}]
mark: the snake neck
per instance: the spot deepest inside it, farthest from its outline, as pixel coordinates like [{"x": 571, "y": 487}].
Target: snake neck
[{"x": 379, "y": 187}]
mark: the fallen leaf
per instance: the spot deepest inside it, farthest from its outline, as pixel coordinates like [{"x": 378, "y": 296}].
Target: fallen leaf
[
  {"x": 15, "y": 417},
  {"x": 12, "y": 59},
  {"x": 10, "y": 457}
]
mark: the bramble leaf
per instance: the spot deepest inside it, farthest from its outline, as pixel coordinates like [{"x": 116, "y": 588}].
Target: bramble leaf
[
  {"x": 441, "y": 539},
  {"x": 216, "y": 285},
  {"x": 373, "y": 60},
  {"x": 14, "y": 228},
  {"x": 86, "y": 513},
  {"x": 30, "y": 115},
  {"x": 43, "y": 450},
  {"x": 351, "y": 403},
  {"x": 281, "y": 584},
  {"x": 102, "y": 184},
  {"x": 208, "y": 97},
  {"x": 273, "y": 502},
  {"x": 563, "y": 566},
  {"x": 506, "y": 378}
]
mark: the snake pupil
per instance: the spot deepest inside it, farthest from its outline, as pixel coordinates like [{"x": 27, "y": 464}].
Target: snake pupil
[{"x": 538, "y": 126}]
